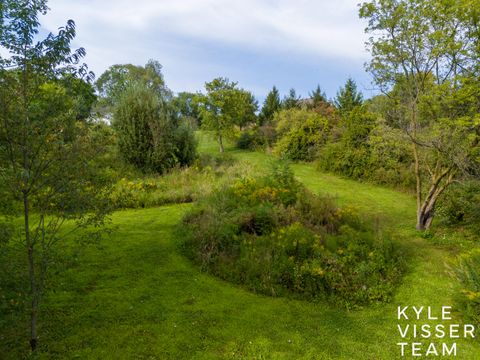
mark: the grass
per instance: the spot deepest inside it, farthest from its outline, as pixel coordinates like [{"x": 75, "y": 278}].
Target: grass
[{"x": 136, "y": 297}]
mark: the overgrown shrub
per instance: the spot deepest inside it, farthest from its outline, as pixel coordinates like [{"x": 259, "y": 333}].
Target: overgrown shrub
[
  {"x": 185, "y": 144},
  {"x": 300, "y": 133},
  {"x": 247, "y": 140},
  {"x": 149, "y": 136},
  {"x": 467, "y": 271},
  {"x": 365, "y": 148},
  {"x": 257, "y": 137},
  {"x": 275, "y": 237},
  {"x": 180, "y": 185},
  {"x": 460, "y": 205}
]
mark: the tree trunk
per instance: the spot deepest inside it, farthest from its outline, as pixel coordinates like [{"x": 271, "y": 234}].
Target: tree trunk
[
  {"x": 220, "y": 142},
  {"x": 31, "y": 273},
  {"x": 424, "y": 220},
  {"x": 426, "y": 211}
]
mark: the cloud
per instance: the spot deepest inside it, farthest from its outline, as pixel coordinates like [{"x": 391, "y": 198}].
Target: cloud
[
  {"x": 198, "y": 34},
  {"x": 325, "y": 28}
]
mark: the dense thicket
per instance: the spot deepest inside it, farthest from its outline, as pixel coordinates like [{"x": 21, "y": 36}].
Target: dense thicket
[
  {"x": 275, "y": 237},
  {"x": 300, "y": 133},
  {"x": 149, "y": 136}
]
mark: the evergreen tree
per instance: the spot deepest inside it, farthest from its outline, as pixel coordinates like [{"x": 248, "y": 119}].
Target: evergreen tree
[
  {"x": 317, "y": 96},
  {"x": 290, "y": 101},
  {"x": 348, "y": 97},
  {"x": 271, "y": 105}
]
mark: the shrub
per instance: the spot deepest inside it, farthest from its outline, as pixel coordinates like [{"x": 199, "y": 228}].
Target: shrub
[
  {"x": 246, "y": 140},
  {"x": 257, "y": 137},
  {"x": 300, "y": 133},
  {"x": 275, "y": 237},
  {"x": 467, "y": 271},
  {"x": 185, "y": 144},
  {"x": 460, "y": 204},
  {"x": 369, "y": 150},
  {"x": 149, "y": 137}
]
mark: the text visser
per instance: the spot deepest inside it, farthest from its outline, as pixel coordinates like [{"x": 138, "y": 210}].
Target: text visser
[{"x": 428, "y": 331}]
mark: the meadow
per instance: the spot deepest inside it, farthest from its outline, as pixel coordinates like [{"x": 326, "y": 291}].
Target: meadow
[{"x": 134, "y": 296}]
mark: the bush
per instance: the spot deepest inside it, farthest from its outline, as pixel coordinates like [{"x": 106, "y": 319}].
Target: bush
[
  {"x": 149, "y": 137},
  {"x": 300, "y": 133},
  {"x": 257, "y": 137},
  {"x": 185, "y": 144},
  {"x": 460, "y": 204},
  {"x": 246, "y": 140},
  {"x": 275, "y": 237},
  {"x": 467, "y": 271},
  {"x": 369, "y": 150}
]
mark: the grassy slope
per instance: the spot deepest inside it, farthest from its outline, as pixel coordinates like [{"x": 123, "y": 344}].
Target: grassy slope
[{"x": 137, "y": 298}]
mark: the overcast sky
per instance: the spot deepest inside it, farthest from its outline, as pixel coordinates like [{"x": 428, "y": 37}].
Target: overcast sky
[{"x": 259, "y": 43}]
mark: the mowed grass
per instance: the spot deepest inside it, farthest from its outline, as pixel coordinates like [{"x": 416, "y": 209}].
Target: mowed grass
[{"x": 137, "y": 297}]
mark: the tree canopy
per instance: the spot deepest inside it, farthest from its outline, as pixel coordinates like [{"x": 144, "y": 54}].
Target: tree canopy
[
  {"x": 46, "y": 150},
  {"x": 225, "y": 106},
  {"x": 117, "y": 78},
  {"x": 291, "y": 100},
  {"x": 421, "y": 48}
]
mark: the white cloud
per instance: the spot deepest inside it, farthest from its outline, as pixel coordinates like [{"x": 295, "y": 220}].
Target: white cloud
[
  {"x": 326, "y": 28},
  {"x": 116, "y": 31}
]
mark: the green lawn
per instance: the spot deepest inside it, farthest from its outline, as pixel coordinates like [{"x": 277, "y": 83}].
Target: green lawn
[{"x": 136, "y": 297}]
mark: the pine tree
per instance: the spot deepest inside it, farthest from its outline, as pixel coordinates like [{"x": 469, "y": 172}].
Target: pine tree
[
  {"x": 348, "y": 97},
  {"x": 271, "y": 105},
  {"x": 317, "y": 96},
  {"x": 290, "y": 101}
]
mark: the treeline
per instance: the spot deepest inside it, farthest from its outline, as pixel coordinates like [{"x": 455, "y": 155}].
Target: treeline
[{"x": 370, "y": 140}]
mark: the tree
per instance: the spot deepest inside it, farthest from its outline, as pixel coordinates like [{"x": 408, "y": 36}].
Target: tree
[
  {"x": 271, "y": 105},
  {"x": 144, "y": 129},
  {"x": 317, "y": 97},
  {"x": 117, "y": 78},
  {"x": 291, "y": 101},
  {"x": 185, "y": 106},
  {"x": 421, "y": 48},
  {"x": 150, "y": 136},
  {"x": 224, "y": 107},
  {"x": 47, "y": 155},
  {"x": 348, "y": 97},
  {"x": 83, "y": 92}
]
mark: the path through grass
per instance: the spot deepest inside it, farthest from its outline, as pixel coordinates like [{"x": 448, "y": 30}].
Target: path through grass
[{"x": 136, "y": 297}]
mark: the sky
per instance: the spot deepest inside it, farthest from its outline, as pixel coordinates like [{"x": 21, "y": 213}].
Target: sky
[{"x": 258, "y": 43}]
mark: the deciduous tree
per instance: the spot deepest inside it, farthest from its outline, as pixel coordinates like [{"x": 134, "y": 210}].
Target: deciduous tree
[
  {"x": 46, "y": 154},
  {"x": 418, "y": 48},
  {"x": 225, "y": 106}
]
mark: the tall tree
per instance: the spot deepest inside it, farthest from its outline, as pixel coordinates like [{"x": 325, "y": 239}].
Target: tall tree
[
  {"x": 47, "y": 155},
  {"x": 271, "y": 105},
  {"x": 185, "y": 106},
  {"x": 317, "y": 97},
  {"x": 117, "y": 78},
  {"x": 291, "y": 100},
  {"x": 225, "y": 106},
  {"x": 348, "y": 97},
  {"x": 144, "y": 129},
  {"x": 420, "y": 48}
]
